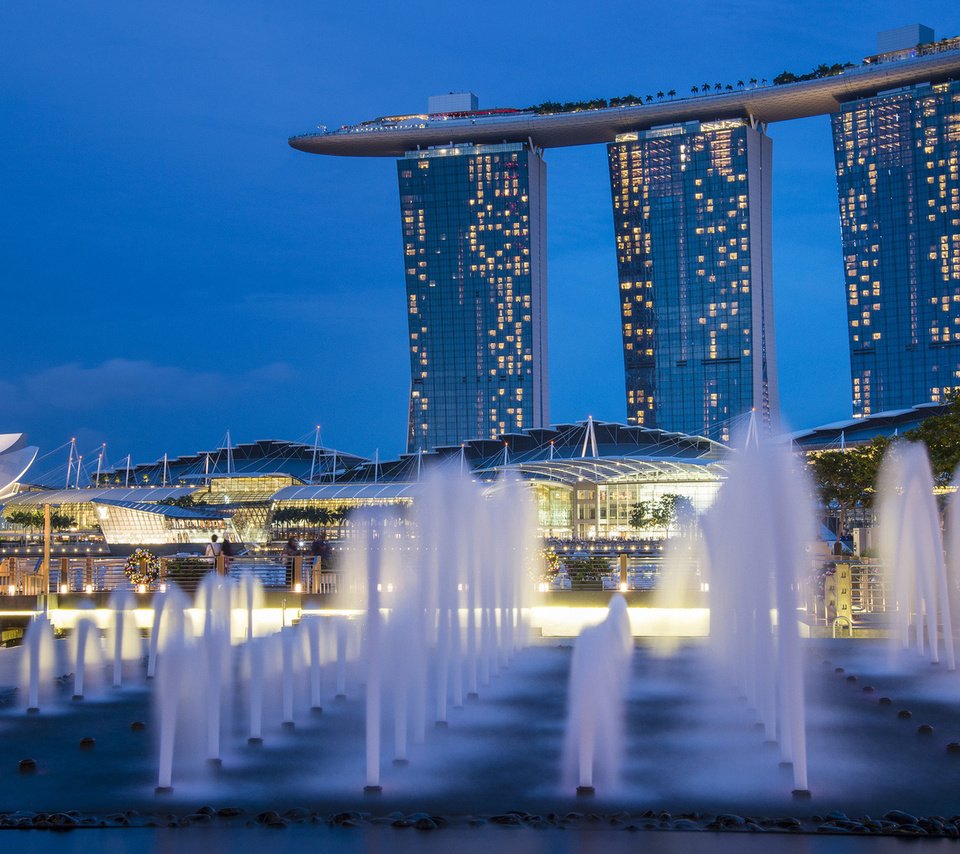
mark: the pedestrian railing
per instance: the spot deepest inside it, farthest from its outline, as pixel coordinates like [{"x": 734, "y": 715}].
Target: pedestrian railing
[{"x": 23, "y": 576}]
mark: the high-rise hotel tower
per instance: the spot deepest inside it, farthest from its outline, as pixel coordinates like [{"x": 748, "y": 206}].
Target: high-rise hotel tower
[
  {"x": 898, "y": 177},
  {"x": 474, "y": 244},
  {"x": 691, "y": 209}
]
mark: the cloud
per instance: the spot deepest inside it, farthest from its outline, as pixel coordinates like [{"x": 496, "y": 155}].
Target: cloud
[{"x": 131, "y": 383}]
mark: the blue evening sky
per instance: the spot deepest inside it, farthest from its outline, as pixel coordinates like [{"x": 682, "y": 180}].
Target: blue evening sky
[{"x": 172, "y": 270}]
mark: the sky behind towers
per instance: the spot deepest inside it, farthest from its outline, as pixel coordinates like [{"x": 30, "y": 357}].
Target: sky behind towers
[{"x": 172, "y": 269}]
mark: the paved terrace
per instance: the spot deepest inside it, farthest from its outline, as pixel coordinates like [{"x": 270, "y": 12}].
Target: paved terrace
[{"x": 765, "y": 104}]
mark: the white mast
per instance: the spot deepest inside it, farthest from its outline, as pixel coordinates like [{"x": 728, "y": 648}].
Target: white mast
[
  {"x": 166, "y": 472},
  {"x": 126, "y": 481},
  {"x": 313, "y": 456},
  {"x": 79, "y": 465},
  {"x": 73, "y": 445},
  {"x": 229, "y": 455},
  {"x": 103, "y": 450}
]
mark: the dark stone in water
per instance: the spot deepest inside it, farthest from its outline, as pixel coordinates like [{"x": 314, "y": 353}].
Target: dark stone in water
[
  {"x": 801, "y": 794},
  {"x": 253, "y": 741},
  {"x": 27, "y": 766},
  {"x": 508, "y": 820},
  {"x": 87, "y": 743},
  {"x": 953, "y": 747},
  {"x": 904, "y": 714},
  {"x": 205, "y": 810},
  {"x": 885, "y": 701},
  {"x": 271, "y": 816},
  {"x": 868, "y": 689},
  {"x": 827, "y": 663},
  {"x": 924, "y": 729},
  {"x": 583, "y": 792},
  {"x": 851, "y": 679},
  {"x": 297, "y": 813},
  {"x": 425, "y": 824},
  {"x": 838, "y": 670},
  {"x": 138, "y": 726},
  {"x": 401, "y": 763},
  {"x": 373, "y": 790},
  {"x": 227, "y": 812},
  {"x": 900, "y": 817}
]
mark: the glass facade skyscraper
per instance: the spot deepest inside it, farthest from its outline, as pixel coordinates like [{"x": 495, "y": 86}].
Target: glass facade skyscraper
[
  {"x": 474, "y": 243},
  {"x": 691, "y": 210},
  {"x": 898, "y": 182}
]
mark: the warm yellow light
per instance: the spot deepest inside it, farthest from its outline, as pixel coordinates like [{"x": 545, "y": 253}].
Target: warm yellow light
[
  {"x": 11, "y": 590},
  {"x": 88, "y": 588},
  {"x": 298, "y": 587},
  {"x": 64, "y": 588}
]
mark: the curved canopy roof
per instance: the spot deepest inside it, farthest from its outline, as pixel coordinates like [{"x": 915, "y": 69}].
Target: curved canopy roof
[
  {"x": 135, "y": 494},
  {"x": 14, "y": 464}
]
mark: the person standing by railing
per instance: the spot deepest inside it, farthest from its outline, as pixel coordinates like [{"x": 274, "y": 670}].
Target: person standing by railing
[
  {"x": 287, "y": 558},
  {"x": 215, "y": 550}
]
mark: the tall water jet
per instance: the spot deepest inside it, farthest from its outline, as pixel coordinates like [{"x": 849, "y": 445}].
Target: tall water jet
[
  {"x": 373, "y": 653},
  {"x": 38, "y": 642},
  {"x": 255, "y": 655},
  {"x": 170, "y": 674},
  {"x": 168, "y": 615},
  {"x": 599, "y": 672},
  {"x": 85, "y": 641},
  {"x": 287, "y": 651},
  {"x": 315, "y": 657},
  {"x": 123, "y": 636},
  {"x": 214, "y": 598},
  {"x": 248, "y": 596},
  {"x": 756, "y": 535},
  {"x": 911, "y": 549}
]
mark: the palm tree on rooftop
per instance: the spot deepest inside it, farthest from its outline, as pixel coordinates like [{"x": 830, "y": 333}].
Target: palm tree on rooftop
[
  {"x": 649, "y": 98},
  {"x": 694, "y": 90},
  {"x": 672, "y": 93},
  {"x": 753, "y": 81},
  {"x": 739, "y": 84},
  {"x": 660, "y": 95},
  {"x": 717, "y": 87},
  {"x": 729, "y": 88}
]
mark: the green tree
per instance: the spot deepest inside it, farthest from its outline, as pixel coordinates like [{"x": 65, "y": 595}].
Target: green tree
[
  {"x": 185, "y": 502},
  {"x": 941, "y": 435},
  {"x": 669, "y": 509},
  {"x": 847, "y": 479}
]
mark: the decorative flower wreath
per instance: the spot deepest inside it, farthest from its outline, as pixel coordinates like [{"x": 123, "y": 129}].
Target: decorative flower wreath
[{"x": 142, "y": 567}]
